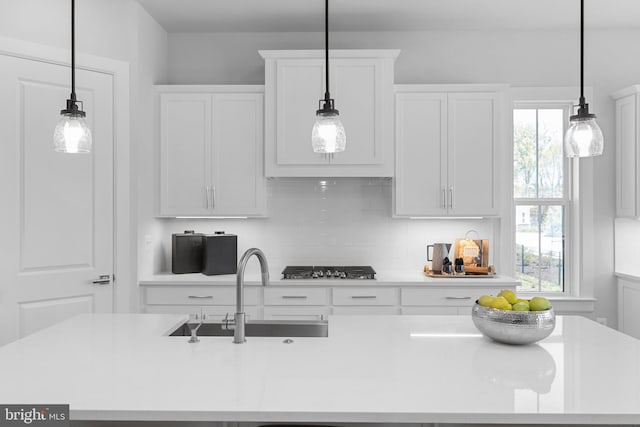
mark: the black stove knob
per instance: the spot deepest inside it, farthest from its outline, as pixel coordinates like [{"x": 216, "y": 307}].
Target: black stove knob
[
  {"x": 336, "y": 274},
  {"x": 328, "y": 273},
  {"x": 314, "y": 275},
  {"x": 343, "y": 275}
]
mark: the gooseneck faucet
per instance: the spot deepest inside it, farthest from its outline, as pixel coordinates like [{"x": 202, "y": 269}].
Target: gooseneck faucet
[{"x": 239, "y": 319}]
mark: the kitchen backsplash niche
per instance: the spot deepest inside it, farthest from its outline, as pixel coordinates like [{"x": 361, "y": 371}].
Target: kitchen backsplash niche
[{"x": 333, "y": 221}]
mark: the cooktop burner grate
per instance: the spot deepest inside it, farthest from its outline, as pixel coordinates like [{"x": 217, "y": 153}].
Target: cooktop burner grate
[{"x": 329, "y": 272}]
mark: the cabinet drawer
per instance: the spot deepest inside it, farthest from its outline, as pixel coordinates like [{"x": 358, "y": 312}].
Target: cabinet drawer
[
  {"x": 445, "y": 297},
  {"x": 366, "y": 310},
  {"x": 430, "y": 310},
  {"x": 199, "y": 295},
  {"x": 296, "y": 313},
  {"x": 213, "y": 313},
  {"x": 295, "y": 296},
  {"x": 365, "y": 296}
]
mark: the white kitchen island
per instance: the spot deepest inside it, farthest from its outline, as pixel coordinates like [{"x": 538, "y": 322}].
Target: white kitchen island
[{"x": 371, "y": 369}]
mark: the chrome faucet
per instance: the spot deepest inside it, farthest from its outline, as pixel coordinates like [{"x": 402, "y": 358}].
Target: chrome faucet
[{"x": 239, "y": 321}]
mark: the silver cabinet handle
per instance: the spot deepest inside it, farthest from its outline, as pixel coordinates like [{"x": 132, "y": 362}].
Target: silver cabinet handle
[
  {"x": 206, "y": 197},
  {"x": 363, "y": 296},
  {"x": 213, "y": 197},
  {"x": 450, "y": 197},
  {"x": 444, "y": 199},
  {"x": 104, "y": 279},
  {"x": 294, "y": 297},
  {"x": 457, "y": 297},
  {"x": 201, "y": 296}
]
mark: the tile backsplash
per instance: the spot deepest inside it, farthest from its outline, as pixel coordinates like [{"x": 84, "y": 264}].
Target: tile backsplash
[{"x": 332, "y": 221}]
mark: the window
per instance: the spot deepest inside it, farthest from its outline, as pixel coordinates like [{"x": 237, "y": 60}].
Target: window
[{"x": 541, "y": 183}]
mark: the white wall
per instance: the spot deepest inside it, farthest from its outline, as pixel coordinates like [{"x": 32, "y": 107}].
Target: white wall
[
  {"x": 525, "y": 58},
  {"x": 345, "y": 221},
  {"x": 103, "y": 28},
  {"x": 116, "y": 29},
  {"x": 149, "y": 67}
]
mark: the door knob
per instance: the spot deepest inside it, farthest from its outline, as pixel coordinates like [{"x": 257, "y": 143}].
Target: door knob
[{"x": 104, "y": 279}]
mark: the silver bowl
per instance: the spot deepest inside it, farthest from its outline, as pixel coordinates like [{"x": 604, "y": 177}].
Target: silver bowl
[{"x": 513, "y": 327}]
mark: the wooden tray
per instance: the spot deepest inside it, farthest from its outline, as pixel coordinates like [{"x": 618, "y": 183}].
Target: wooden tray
[{"x": 458, "y": 276}]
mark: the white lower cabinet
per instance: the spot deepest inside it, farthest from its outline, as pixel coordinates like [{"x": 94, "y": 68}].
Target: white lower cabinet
[
  {"x": 214, "y": 301},
  {"x": 306, "y": 302},
  {"x": 379, "y": 300},
  {"x": 296, "y": 303},
  {"x": 430, "y": 310},
  {"x": 296, "y": 313},
  {"x": 628, "y": 303},
  {"x": 445, "y": 300}
]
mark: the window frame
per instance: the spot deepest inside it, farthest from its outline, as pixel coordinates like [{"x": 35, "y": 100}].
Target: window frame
[{"x": 568, "y": 201}]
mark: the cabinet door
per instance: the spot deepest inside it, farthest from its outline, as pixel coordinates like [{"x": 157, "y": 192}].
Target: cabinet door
[
  {"x": 628, "y": 303},
  {"x": 626, "y": 157},
  {"x": 473, "y": 132},
  {"x": 299, "y": 86},
  {"x": 421, "y": 138},
  {"x": 357, "y": 88},
  {"x": 185, "y": 150},
  {"x": 238, "y": 186},
  {"x": 363, "y": 92}
]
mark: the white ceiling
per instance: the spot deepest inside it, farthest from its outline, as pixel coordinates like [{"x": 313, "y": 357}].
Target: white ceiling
[{"x": 388, "y": 15}]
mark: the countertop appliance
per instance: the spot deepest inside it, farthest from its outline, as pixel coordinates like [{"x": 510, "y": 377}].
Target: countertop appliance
[
  {"x": 326, "y": 272},
  {"x": 219, "y": 253},
  {"x": 186, "y": 252}
]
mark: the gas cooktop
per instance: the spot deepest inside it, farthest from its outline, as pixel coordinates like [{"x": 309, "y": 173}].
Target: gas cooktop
[{"x": 324, "y": 272}]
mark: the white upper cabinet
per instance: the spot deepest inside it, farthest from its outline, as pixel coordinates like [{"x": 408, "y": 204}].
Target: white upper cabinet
[
  {"x": 627, "y": 152},
  {"x": 211, "y": 142},
  {"x": 447, "y": 143},
  {"x": 361, "y": 82}
]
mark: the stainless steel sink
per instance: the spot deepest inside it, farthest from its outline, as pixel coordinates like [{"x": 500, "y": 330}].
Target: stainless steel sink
[{"x": 261, "y": 328}]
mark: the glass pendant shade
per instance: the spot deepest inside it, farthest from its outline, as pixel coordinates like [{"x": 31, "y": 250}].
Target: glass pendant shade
[
  {"x": 583, "y": 138},
  {"x": 72, "y": 135},
  {"x": 328, "y": 135}
]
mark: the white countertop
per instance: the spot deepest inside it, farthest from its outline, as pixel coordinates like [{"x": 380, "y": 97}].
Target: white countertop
[
  {"x": 369, "y": 369},
  {"x": 389, "y": 278}
]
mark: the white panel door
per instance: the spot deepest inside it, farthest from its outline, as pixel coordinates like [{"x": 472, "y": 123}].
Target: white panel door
[
  {"x": 421, "y": 144},
  {"x": 473, "y": 129},
  {"x": 185, "y": 141},
  {"x": 238, "y": 178},
  {"x": 56, "y": 218}
]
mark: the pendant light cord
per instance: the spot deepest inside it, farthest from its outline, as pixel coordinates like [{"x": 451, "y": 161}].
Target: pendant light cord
[
  {"x": 73, "y": 50},
  {"x": 582, "y": 101},
  {"x": 326, "y": 48}
]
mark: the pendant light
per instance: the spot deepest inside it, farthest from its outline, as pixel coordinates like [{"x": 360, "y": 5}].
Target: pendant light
[
  {"x": 584, "y": 137},
  {"x": 328, "y": 135},
  {"x": 72, "y": 135}
]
